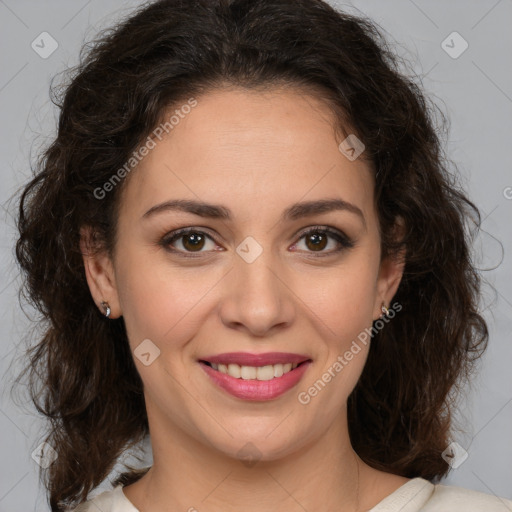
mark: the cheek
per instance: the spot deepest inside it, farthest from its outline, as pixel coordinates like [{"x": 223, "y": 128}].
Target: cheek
[
  {"x": 342, "y": 299},
  {"x": 344, "y": 307},
  {"x": 160, "y": 301}
]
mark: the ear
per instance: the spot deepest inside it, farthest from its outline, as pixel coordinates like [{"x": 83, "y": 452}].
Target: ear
[
  {"x": 99, "y": 272},
  {"x": 390, "y": 274}
]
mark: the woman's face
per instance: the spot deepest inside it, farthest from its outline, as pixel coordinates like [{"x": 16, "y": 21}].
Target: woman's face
[{"x": 248, "y": 279}]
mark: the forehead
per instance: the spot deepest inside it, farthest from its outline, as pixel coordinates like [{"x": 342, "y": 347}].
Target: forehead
[{"x": 253, "y": 149}]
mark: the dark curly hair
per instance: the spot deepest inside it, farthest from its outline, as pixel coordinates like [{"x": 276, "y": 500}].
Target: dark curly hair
[{"x": 81, "y": 372}]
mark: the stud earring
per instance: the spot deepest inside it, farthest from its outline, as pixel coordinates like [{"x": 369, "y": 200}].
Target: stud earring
[
  {"x": 106, "y": 309},
  {"x": 384, "y": 309}
]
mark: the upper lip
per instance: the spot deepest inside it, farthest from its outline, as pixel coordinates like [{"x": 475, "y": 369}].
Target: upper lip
[{"x": 248, "y": 359}]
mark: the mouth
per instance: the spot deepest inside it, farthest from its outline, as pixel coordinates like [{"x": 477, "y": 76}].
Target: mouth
[
  {"x": 256, "y": 377},
  {"x": 262, "y": 373}
]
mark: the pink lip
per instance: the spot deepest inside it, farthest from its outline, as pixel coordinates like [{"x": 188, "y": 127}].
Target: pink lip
[
  {"x": 247, "y": 359},
  {"x": 253, "y": 389}
]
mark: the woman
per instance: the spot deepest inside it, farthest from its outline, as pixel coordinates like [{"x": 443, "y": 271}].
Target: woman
[{"x": 247, "y": 245}]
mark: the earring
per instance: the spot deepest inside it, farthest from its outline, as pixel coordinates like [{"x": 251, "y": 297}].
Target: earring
[
  {"x": 106, "y": 309},
  {"x": 384, "y": 309}
]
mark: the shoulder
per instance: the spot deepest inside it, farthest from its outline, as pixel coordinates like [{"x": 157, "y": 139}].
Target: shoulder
[
  {"x": 103, "y": 502},
  {"x": 420, "y": 495},
  {"x": 107, "y": 501},
  {"x": 448, "y": 498}
]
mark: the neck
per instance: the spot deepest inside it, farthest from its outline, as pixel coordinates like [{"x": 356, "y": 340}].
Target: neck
[{"x": 187, "y": 474}]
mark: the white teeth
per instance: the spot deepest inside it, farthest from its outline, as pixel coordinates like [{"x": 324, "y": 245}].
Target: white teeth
[
  {"x": 247, "y": 372},
  {"x": 234, "y": 370},
  {"x": 267, "y": 372},
  {"x": 278, "y": 370}
]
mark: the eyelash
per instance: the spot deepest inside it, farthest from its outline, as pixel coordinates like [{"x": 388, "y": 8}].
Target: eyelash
[{"x": 343, "y": 241}]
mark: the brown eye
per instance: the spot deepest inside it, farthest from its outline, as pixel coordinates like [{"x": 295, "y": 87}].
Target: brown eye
[
  {"x": 193, "y": 241},
  {"x": 324, "y": 241},
  {"x": 188, "y": 241},
  {"x": 316, "y": 241}
]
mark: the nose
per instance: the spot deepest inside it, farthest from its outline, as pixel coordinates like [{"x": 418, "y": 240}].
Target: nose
[{"x": 257, "y": 298}]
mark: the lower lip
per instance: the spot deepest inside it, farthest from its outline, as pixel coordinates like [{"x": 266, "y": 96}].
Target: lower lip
[{"x": 254, "y": 389}]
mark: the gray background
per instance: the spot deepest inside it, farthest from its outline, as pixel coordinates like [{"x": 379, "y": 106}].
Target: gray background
[{"x": 474, "y": 89}]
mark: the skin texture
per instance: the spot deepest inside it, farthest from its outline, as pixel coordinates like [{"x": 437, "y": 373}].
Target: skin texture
[{"x": 255, "y": 153}]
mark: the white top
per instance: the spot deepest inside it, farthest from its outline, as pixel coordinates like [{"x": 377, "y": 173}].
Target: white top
[{"x": 416, "y": 495}]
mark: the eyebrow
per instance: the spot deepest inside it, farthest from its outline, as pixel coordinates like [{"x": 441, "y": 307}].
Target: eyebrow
[{"x": 294, "y": 212}]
